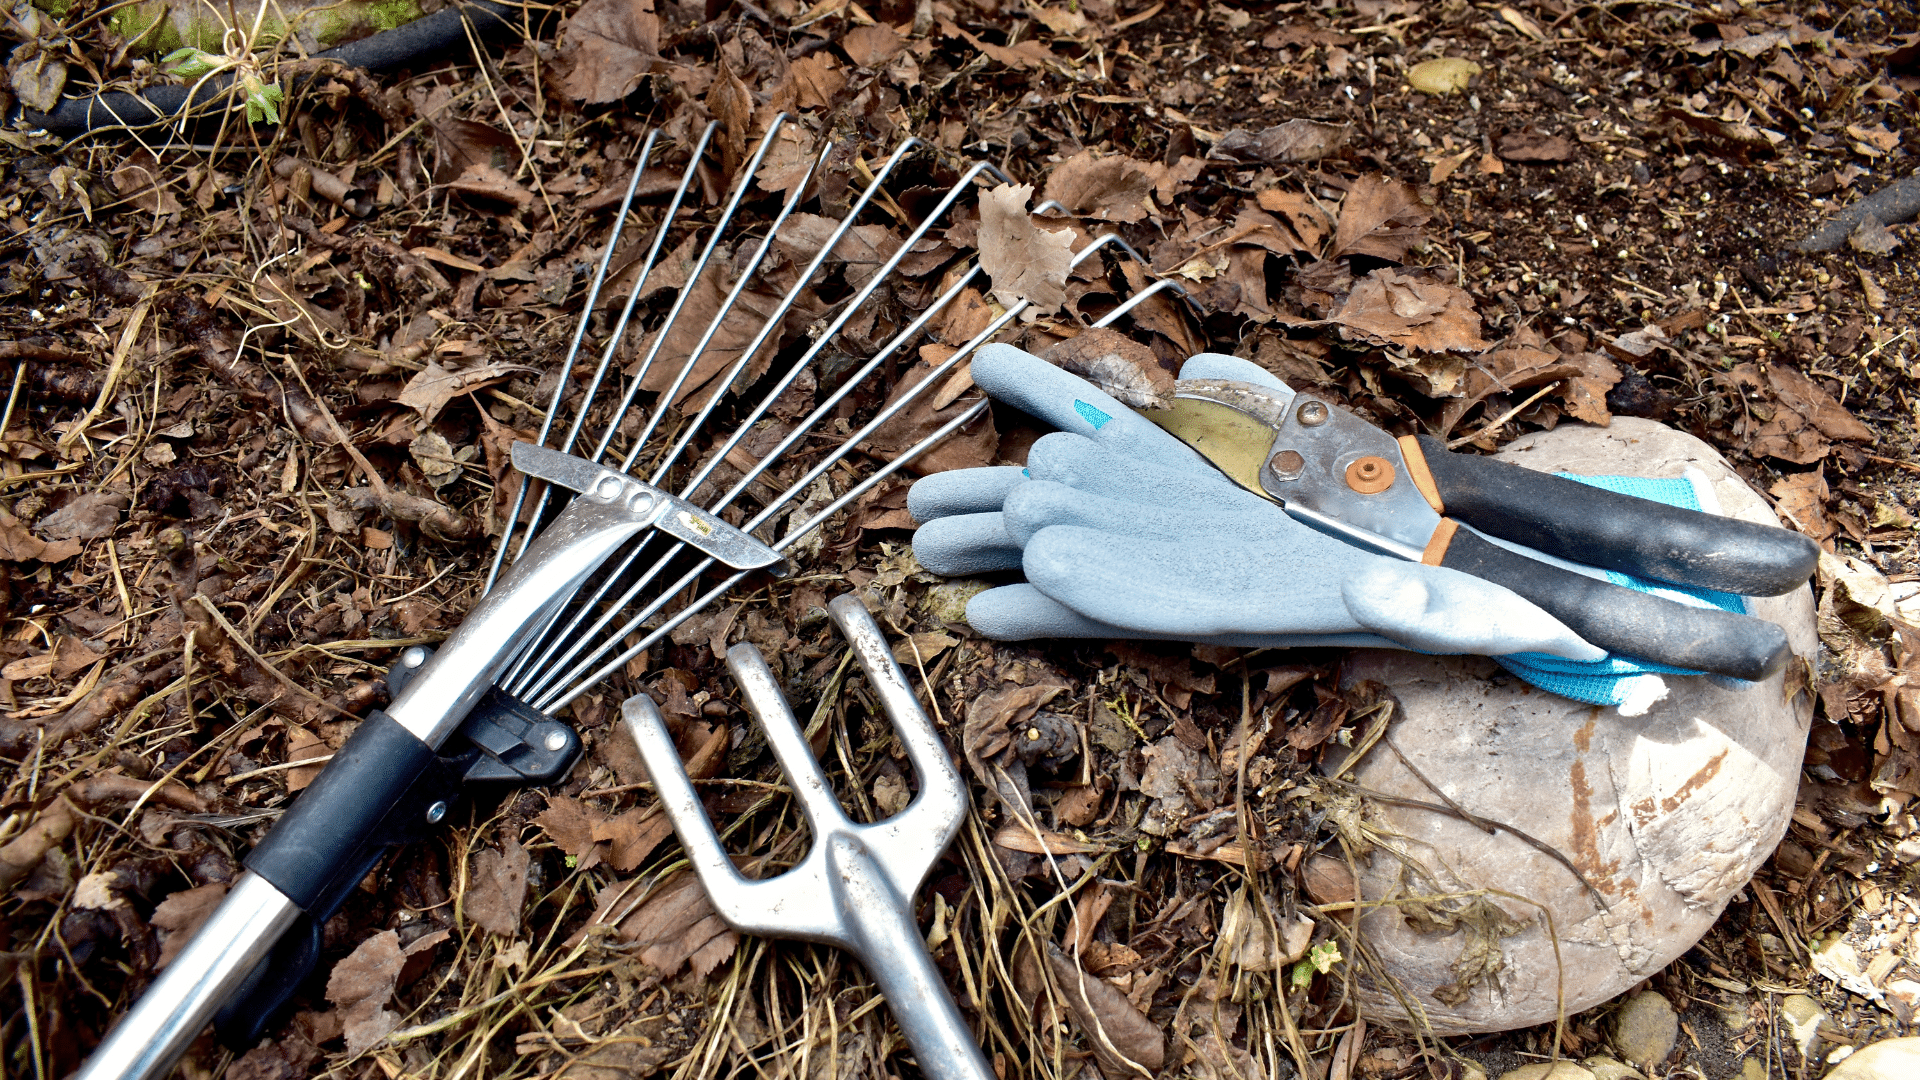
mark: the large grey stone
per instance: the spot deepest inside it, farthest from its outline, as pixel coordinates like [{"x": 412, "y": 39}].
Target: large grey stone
[{"x": 1665, "y": 814}]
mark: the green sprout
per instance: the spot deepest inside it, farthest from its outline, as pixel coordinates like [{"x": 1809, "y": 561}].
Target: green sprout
[
  {"x": 262, "y": 98},
  {"x": 1317, "y": 962}
]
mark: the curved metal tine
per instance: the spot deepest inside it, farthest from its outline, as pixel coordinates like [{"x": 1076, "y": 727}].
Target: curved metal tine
[
  {"x": 773, "y": 321},
  {"x": 940, "y": 808},
  {"x": 681, "y": 297},
  {"x": 517, "y": 677},
  {"x": 555, "y": 702},
  {"x": 600, "y": 646},
  {"x": 846, "y": 314},
  {"x": 726, "y": 307},
  {"x": 573, "y": 351},
  {"x": 576, "y": 639},
  {"x": 620, "y": 327}
]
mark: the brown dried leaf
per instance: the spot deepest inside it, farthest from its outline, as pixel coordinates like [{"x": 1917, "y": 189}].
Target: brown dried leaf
[
  {"x": 1024, "y": 262},
  {"x": 1390, "y": 308},
  {"x": 1020, "y": 56},
  {"x": 1310, "y": 223},
  {"x": 813, "y": 81},
  {"x": 787, "y": 161},
  {"x": 1534, "y": 147},
  {"x": 144, "y": 182},
  {"x": 1124, "y": 1041},
  {"x": 1116, "y": 364},
  {"x": 1297, "y": 140},
  {"x": 182, "y": 913},
  {"x": 607, "y": 46},
  {"x": 361, "y": 984},
  {"x": 1110, "y": 188},
  {"x": 677, "y": 927},
  {"x": 431, "y": 389},
  {"x": 632, "y": 836},
  {"x": 570, "y": 824},
  {"x": 18, "y": 544},
  {"x": 871, "y": 47},
  {"x": 1872, "y": 238},
  {"x": 89, "y": 516},
  {"x": 1802, "y": 498},
  {"x": 971, "y": 446},
  {"x": 742, "y": 324},
  {"x": 498, "y": 888},
  {"x": 863, "y": 248},
  {"x": 1380, "y": 217},
  {"x": 731, "y": 103},
  {"x": 1804, "y": 396},
  {"x": 490, "y": 183}
]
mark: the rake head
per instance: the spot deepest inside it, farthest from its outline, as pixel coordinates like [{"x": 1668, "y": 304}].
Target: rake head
[{"x": 734, "y": 400}]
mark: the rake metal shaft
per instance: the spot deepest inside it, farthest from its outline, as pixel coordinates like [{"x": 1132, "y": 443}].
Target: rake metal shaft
[{"x": 855, "y": 887}]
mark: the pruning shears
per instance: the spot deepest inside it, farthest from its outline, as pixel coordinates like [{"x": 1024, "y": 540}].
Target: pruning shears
[{"x": 1411, "y": 498}]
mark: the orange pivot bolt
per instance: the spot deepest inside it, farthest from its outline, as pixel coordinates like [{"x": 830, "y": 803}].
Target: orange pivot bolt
[{"x": 1370, "y": 475}]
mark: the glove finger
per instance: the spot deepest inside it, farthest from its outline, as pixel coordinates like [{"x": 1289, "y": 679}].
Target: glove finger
[
  {"x": 966, "y": 544},
  {"x": 1072, "y": 404},
  {"x": 962, "y": 491},
  {"x": 1209, "y": 587},
  {"x": 1211, "y": 365},
  {"x": 1435, "y": 610},
  {"x": 1097, "y": 469},
  {"x": 1040, "y": 504},
  {"x": 1022, "y": 612}
]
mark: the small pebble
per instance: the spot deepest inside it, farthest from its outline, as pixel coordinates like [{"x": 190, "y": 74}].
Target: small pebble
[
  {"x": 1605, "y": 1068},
  {"x": 1804, "y": 1016},
  {"x": 1542, "y": 1070},
  {"x": 1645, "y": 1028}
]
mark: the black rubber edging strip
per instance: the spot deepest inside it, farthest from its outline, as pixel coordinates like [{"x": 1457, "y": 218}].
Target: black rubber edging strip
[
  {"x": 1890, "y": 205},
  {"x": 75, "y": 117}
]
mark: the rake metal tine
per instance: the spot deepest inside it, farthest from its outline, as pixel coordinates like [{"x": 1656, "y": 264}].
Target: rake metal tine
[
  {"x": 620, "y": 327},
  {"x": 799, "y": 487},
  {"x": 573, "y": 347},
  {"x": 554, "y": 703},
  {"x": 535, "y": 656},
  {"x": 681, "y": 297},
  {"x": 773, "y": 321}
]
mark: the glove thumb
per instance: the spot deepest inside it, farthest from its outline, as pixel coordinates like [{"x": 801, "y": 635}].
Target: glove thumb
[{"x": 1434, "y": 610}]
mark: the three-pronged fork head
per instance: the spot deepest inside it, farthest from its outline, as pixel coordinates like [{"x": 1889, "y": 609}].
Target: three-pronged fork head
[{"x": 855, "y": 887}]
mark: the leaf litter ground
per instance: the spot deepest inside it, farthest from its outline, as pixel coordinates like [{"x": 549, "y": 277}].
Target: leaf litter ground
[{"x": 264, "y": 388}]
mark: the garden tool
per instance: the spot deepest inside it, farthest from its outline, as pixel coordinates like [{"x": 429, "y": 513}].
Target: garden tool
[
  {"x": 644, "y": 504},
  {"x": 855, "y": 887},
  {"x": 1274, "y": 518}
]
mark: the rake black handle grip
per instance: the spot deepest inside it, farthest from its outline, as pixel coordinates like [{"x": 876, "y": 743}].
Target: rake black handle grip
[
  {"x": 1624, "y": 621},
  {"x": 1617, "y": 532}
]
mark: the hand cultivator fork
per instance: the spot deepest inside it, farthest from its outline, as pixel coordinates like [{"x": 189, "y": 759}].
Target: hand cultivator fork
[
  {"x": 855, "y": 887},
  {"x": 579, "y": 590}
]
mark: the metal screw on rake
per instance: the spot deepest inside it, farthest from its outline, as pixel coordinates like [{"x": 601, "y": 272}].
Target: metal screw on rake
[{"x": 855, "y": 887}]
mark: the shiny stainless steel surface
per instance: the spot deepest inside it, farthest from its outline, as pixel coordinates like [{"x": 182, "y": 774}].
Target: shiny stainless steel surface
[
  {"x": 855, "y": 887},
  {"x": 171, "y": 1014}
]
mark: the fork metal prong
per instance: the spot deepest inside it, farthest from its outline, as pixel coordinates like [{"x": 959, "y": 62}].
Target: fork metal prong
[{"x": 760, "y": 693}]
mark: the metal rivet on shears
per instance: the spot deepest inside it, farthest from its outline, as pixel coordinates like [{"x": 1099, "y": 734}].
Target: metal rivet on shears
[
  {"x": 556, "y": 741},
  {"x": 1312, "y": 413},
  {"x": 1370, "y": 475},
  {"x": 1287, "y": 465}
]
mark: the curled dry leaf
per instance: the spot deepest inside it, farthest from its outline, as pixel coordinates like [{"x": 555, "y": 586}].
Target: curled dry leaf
[
  {"x": 498, "y": 888},
  {"x": 1024, "y": 262},
  {"x": 1380, "y": 217},
  {"x": 607, "y": 46},
  {"x": 1124, "y": 1041},
  {"x": 1117, "y": 364},
  {"x": 181, "y": 913},
  {"x": 431, "y": 389},
  {"x": 1534, "y": 147},
  {"x": 1390, "y": 308},
  {"x": 1111, "y": 188},
  {"x": 1297, "y": 140}
]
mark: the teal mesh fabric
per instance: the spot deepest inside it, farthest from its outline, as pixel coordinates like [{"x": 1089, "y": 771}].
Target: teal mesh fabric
[{"x": 1617, "y": 679}]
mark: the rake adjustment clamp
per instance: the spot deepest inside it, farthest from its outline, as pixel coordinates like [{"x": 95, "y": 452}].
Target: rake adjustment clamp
[{"x": 393, "y": 793}]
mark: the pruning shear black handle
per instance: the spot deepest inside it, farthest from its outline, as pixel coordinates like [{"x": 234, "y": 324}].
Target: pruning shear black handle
[
  {"x": 1619, "y": 619},
  {"x": 1609, "y": 530}
]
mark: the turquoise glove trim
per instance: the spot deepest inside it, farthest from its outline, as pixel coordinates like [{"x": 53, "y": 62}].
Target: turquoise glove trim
[
  {"x": 1617, "y": 680},
  {"x": 1090, "y": 414}
]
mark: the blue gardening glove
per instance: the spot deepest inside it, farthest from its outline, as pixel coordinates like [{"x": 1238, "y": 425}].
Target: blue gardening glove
[
  {"x": 1124, "y": 532},
  {"x": 1631, "y": 685}
]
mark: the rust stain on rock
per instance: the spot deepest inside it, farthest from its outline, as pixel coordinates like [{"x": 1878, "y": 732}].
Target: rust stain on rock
[{"x": 1586, "y": 836}]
